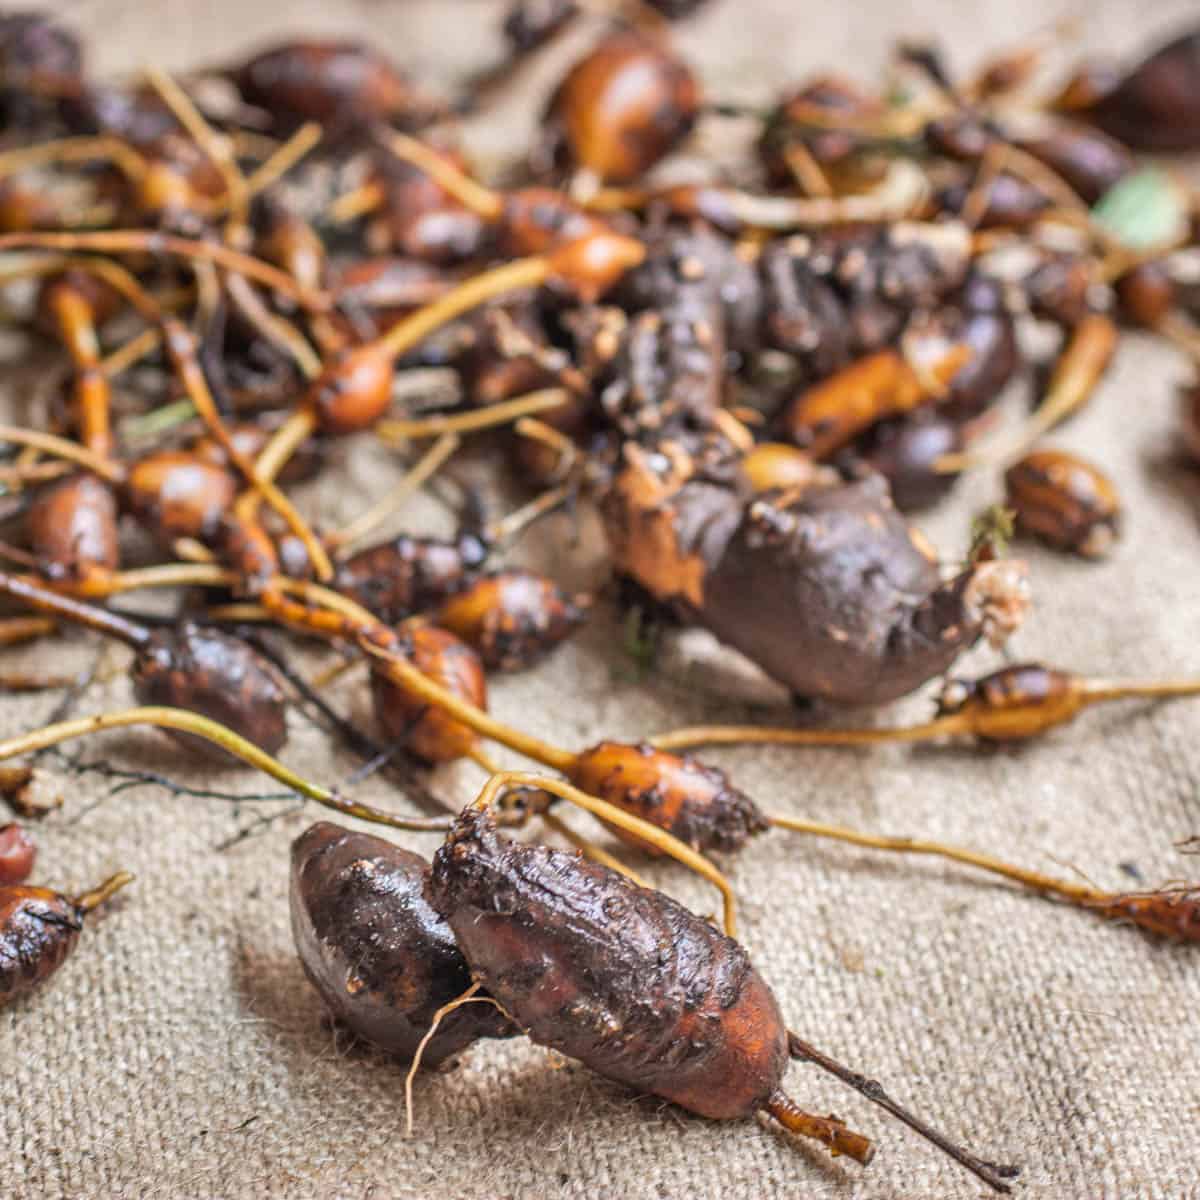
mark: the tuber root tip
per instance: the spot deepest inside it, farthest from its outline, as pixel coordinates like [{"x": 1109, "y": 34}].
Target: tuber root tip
[{"x": 998, "y": 598}]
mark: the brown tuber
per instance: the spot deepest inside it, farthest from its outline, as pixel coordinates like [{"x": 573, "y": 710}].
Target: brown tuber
[
  {"x": 179, "y": 495},
  {"x": 1157, "y": 105},
  {"x": 382, "y": 960},
  {"x": 830, "y": 591},
  {"x": 513, "y": 618},
  {"x": 202, "y": 670},
  {"x": 624, "y": 106},
  {"x": 633, "y": 985},
  {"x": 409, "y": 574},
  {"x": 693, "y": 802},
  {"x": 18, "y": 851},
  {"x": 40, "y": 928},
  {"x": 72, "y": 529},
  {"x": 424, "y": 729},
  {"x": 1065, "y": 501},
  {"x": 345, "y": 85}
]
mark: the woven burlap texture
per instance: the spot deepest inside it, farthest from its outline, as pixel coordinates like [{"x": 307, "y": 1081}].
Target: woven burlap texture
[{"x": 181, "y": 1053}]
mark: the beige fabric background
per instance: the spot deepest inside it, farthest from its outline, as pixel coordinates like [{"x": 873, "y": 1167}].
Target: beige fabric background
[{"x": 181, "y": 1054}]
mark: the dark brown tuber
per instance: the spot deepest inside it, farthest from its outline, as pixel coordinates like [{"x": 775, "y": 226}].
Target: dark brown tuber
[
  {"x": 1065, "y": 501},
  {"x": 205, "y": 671},
  {"x": 408, "y": 575},
  {"x": 830, "y": 592},
  {"x": 382, "y": 960},
  {"x": 1157, "y": 105},
  {"x": 40, "y": 928},
  {"x": 217, "y": 675},
  {"x": 345, "y": 85},
  {"x": 633, "y": 985}
]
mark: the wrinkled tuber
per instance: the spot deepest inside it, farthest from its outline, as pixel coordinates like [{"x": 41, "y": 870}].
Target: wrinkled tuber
[{"x": 382, "y": 960}]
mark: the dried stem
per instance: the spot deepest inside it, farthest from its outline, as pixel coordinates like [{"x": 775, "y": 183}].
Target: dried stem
[
  {"x": 109, "y": 623},
  {"x": 48, "y": 443},
  {"x": 474, "y": 196},
  {"x": 272, "y": 458},
  {"x": 467, "y": 997},
  {"x": 428, "y": 466},
  {"x": 14, "y": 479},
  {"x": 539, "y": 431},
  {"x": 141, "y": 241},
  {"x": 471, "y": 422},
  {"x": 181, "y": 347},
  {"x": 14, "y": 630},
  {"x": 994, "y": 1175},
  {"x": 508, "y": 527},
  {"x": 75, "y": 149},
  {"x": 115, "y": 275},
  {"x": 1074, "y": 892},
  {"x": 131, "y": 353},
  {"x": 1079, "y": 368},
  {"x": 277, "y": 330},
  {"x": 1098, "y": 691},
  {"x": 216, "y": 147},
  {"x": 829, "y": 1131},
  {"x": 408, "y": 677},
  {"x": 92, "y": 900},
  {"x": 358, "y": 203},
  {"x": 283, "y": 158},
  {"x": 471, "y": 293},
  {"x": 193, "y": 723},
  {"x": 753, "y": 735},
  {"x": 899, "y": 194},
  {"x": 162, "y": 576}
]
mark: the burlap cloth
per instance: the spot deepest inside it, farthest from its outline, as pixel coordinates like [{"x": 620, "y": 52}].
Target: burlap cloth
[{"x": 182, "y": 1054}]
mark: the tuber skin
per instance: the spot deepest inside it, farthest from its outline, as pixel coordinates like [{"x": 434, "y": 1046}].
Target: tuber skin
[
  {"x": 691, "y": 801},
  {"x": 513, "y": 618},
  {"x": 18, "y": 852},
  {"x": 1065, "y": 501},
  {"x": 408, "y": 574},
  {"x": 382, "y": 960},
  {"x": 905, "y": 451},
  {"x": 830, "y": 591},
  {"x": 345, "y": 85},
  {"x": 72, "y": 529},
  {"x": 176, "y": 494},
  {"x": 624, "y": 106},
  {"x": 1088, "y": 159},
  {"x": 217, "y": 675},
  {"x": 1156, "y": 106},
  {"x": 833, "y": 596},
  {"x": 622, "y": 978},
  {"x": 425, "y": 730},
  {"x": 1189, "y": 422},
  {"x": 530, "y": 24},
  {"x": 39, "y": 930},
  {"x": 203, "y": 670},
  {"x": 1146, "y": 293},
  {"x": 636, "y": 987}
]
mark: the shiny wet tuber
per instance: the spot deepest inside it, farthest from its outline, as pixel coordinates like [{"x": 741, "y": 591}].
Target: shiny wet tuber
[
  {"x": 1065, "y": 501},
  {"x": 382, "y": 960}
]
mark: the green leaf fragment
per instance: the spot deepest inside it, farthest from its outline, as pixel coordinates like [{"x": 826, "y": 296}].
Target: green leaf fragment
[{"x": 1145, "y": 210}]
